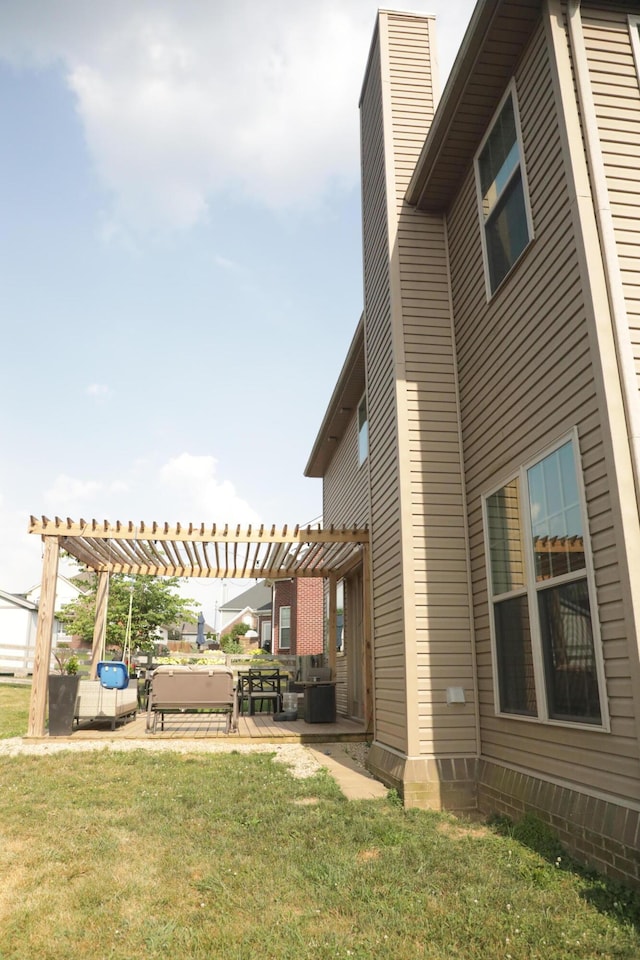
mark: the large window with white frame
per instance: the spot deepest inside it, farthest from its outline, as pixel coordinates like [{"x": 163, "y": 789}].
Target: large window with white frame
[
  {"x": 505, "y": 215},
  {"x": 547, "y": 657}
]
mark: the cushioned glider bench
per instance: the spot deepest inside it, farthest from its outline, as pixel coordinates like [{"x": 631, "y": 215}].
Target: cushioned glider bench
[
  {"x": 191, "y": 689},
  {"x": 95, "y": 702}
]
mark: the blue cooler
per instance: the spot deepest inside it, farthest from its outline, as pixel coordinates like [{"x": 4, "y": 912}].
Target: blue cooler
[{"x": 113, "y": 674}]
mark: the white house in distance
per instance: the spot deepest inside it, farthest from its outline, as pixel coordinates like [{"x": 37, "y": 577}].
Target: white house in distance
[{"x": 18, "y": 621}]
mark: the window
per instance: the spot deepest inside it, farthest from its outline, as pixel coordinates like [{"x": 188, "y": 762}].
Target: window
[
  {"x": 363, "y": 431},
  {"x": 547, "y": 662},
  {"x": 634, "y": 27},
  {"x": 284, "y": 634},
  {"x": 502, "y": 196}
]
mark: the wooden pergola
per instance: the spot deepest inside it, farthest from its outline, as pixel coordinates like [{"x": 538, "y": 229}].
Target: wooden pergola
[{"x": 203, "y": 550}]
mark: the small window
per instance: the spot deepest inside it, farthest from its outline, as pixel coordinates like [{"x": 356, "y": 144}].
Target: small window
[
  {"x": 502, "y": 195},
  {"x": 363, "y": 431},
  {"x": 634, "y": 27},
  {"x": 548, "y": 662},
  {"x": 284, "y": 633}
]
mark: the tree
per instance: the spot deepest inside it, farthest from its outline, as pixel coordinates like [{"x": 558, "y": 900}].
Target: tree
[{"x": 155, "y": 604}]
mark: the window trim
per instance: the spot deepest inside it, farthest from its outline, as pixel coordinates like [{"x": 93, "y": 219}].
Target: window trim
[
  {"x": 532, "y": 589},
  {"x": 511, "y": 91},
  {"x": 634, "y": 31},
  {"x": 362, "y": 458},
  {"x": 281, "y": 645}
]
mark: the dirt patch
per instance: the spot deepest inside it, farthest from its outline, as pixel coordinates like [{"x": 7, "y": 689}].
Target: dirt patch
[
  {"x": 366, "y": 855},
  {"x": 456, "y": 829}
]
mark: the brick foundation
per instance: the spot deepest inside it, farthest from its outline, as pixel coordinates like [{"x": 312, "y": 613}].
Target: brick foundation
[{"x": 443, "y": 783}]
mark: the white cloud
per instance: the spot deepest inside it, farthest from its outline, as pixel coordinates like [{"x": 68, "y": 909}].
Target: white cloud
[
  {"x": 186, "y": 488},
  {"x": 182, "y": 102},
  {"x": 225, "y": 264},
  {"x": 98, "y": 390},
  {"x": 211, "y": 499}
]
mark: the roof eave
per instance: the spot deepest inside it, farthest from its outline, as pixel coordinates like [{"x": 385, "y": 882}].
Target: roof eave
[
  {"x": 461, "y": 88},
  {"x": 346, "y": 395}
]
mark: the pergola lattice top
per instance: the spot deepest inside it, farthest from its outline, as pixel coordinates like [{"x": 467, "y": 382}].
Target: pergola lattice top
[{"x": 203, "y": 550}]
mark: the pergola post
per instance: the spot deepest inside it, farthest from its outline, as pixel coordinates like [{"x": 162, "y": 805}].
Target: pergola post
[
  {"x": 44, "y": 636},
  {"x": 333, "y": 622},
  {"x": 100, "y": 624}
]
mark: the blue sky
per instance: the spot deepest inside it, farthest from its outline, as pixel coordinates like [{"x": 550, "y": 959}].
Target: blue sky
[{"x": 180, "y": 255}]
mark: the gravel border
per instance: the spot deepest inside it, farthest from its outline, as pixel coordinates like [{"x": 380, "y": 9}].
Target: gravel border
[{"x": 296, "y": 756}]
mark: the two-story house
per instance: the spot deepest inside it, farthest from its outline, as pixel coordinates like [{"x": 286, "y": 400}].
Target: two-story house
[{"x": 486, "y": 422}]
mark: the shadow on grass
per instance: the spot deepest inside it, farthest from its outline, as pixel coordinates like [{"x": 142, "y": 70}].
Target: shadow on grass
[{"x": 609, "y": 897}]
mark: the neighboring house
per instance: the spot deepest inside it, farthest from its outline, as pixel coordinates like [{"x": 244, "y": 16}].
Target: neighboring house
[
  {"x": 66, "y": 591},
  {"x": 298, "y": 606},
  {"x": 251, "y": 607},
  {"x": 18, "y": 622},
  {"x": 486, "y": 422}
]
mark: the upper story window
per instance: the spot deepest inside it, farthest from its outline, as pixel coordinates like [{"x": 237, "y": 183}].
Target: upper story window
[
  {"x": 547, "y": 657},
  {"x": 502, "y": 193},
  {"x": 363, "y": 431},
  {"x": 634, "y": 27}
]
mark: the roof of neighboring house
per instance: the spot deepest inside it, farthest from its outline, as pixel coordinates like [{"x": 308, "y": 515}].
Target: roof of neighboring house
[
  {"x": 255, "y": 598},
  {"x": 19, "y": 600},
  {"x": 78, "y": 587}
]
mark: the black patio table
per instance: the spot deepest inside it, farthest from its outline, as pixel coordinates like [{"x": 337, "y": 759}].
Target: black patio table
[{"x": 260, "y": 684}]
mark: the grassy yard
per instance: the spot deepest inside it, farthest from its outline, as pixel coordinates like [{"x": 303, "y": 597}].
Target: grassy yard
[
  {"x": 137, "y": 856},
  {"x": 14, "y": 709}
]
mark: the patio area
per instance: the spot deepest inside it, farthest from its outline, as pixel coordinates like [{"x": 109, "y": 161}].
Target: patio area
[{"x": 198, "y": 726}]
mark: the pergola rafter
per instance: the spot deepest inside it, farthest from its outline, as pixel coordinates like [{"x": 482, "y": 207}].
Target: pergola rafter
[{"x": 211, "y": 551}]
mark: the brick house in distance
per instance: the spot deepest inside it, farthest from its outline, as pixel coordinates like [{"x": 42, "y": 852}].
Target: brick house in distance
[{"x": 298, "y": 617}]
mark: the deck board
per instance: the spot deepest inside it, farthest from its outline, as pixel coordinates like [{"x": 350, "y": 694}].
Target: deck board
[{"x": 197, "y": 726}]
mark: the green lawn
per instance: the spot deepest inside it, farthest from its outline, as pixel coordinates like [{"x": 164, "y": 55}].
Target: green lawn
[
  {"x": 14, "y": 709},
  {"x": 137, "y": 856}
]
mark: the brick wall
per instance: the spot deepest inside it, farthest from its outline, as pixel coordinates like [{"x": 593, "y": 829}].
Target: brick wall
[
  {"x": 305, "y": 597},
  {"x": 309, "y": 633}
]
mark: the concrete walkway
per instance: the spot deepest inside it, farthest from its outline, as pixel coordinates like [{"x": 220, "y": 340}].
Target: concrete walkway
[{"x": 355, "y": 782}]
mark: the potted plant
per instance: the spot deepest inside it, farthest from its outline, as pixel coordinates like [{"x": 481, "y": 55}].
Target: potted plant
[{"x": 63, "y": 692}]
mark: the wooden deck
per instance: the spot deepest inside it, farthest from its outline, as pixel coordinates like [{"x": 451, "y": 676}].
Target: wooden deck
[{"x": 198, "y": 726}]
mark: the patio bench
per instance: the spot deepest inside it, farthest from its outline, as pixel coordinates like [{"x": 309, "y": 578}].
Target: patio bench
[{"x": 192, "y": 689}]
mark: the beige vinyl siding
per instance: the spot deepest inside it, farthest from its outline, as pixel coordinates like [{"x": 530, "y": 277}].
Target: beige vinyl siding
[
  {"x": 386, "y": 557},
  {"x": 437, "y": 625},
  {"x": 616, "y": 91},
  {"x": 526, "y": 379},
  {"x": 423, "y": 494},
  {"x": 345, "y": 485},
  {"x": 346, "y": 502}
]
